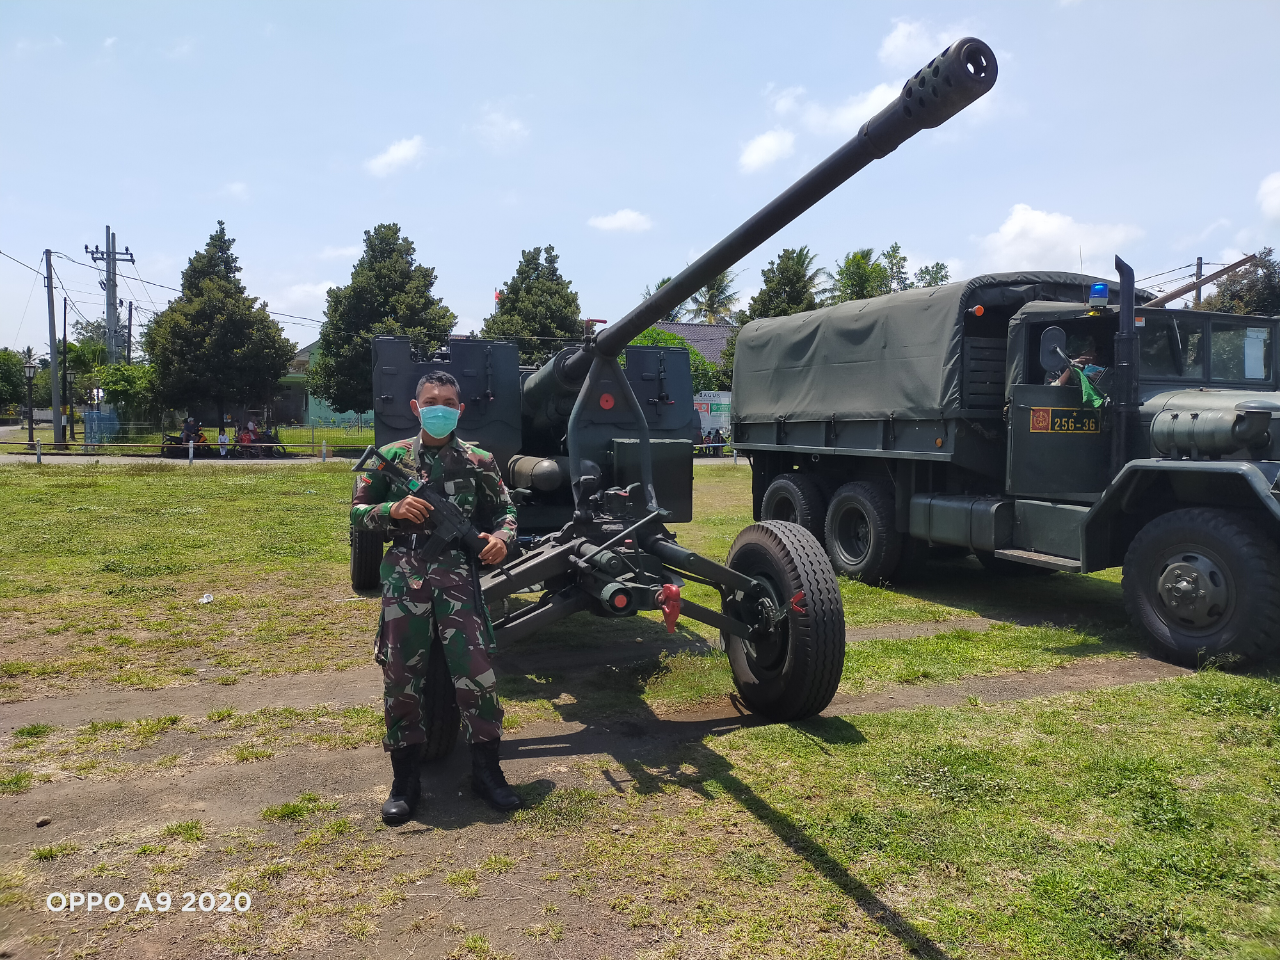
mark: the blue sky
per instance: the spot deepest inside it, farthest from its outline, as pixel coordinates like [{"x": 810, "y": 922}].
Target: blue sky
[{"x": 630, "y": 136}]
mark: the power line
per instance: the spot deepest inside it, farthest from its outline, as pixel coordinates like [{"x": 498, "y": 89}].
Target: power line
[
  {"x": 28, "y": 306},
  {"x": 1185, "y": 266},
  {"x": 18, "y": 262}
]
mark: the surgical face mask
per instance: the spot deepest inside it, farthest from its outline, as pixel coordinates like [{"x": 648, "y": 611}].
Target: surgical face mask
[{"x": 439, "y": 421}]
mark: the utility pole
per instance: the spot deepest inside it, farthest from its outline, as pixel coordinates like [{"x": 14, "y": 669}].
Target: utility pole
[
  {"x": 128, "y": 343},
  {"x": 111, "y": 256},
  {"x": 1199, "y": 274},
  {"x": 55, "y": 385},
  {"x": 66, "y": 394}
]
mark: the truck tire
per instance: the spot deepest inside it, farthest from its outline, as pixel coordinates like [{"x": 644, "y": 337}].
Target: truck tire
[
  {"x": 795, "y": 498},
  {"x": 860, "y": 536},
  {"x": 791, "y": 672},
  {"x": 366, "y": 555},
  {"x": 1203, "y": 582},
  {"x": 439, "y": 706},
  {"x": 366, "y": 559}
]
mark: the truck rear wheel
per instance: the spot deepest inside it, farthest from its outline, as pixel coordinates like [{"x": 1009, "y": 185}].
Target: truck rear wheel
[
  {"x": 795, "y": 498},
  {"x": 1203, "y": 582},
  {"x": 366, "y": 555},
  {"x": 366, "y": 559},
  {"x": 861, "y": 540},
  {"x": 791, "y": 671}
]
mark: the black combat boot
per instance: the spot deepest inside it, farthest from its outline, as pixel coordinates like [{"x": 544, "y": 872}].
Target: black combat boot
[
  {"x": 487, "y": 780},
  {"x": 406, "y": 788}
]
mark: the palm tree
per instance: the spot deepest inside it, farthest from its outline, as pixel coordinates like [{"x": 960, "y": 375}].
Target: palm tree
[
  {"x": 672, "y": 315},
  {"x": 714, "y": 302}
]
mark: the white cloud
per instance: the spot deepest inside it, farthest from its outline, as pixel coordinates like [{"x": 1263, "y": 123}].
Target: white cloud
[
  {"x": 1036, "y": 239},
  {"x": 630, "y": 221},
  {"x": 786, "y": 101},
  {"x": 330, "y": 253},
  {"x": 109, "y": 42},
  {"x": 910, "y": 44},
  {"x": 179, "y": 50},
  {"x": 236, "y": 190},
  {"x": 37, "y": 46},
  {"x": 845, "y": 119},
  {"x": 308, "y": 291},
  {"x": 1269, "y": 196},
  {"x": 499, "y": 129},
  {"x": 397, "y": 155},
  {"x": 767, "y": 148}
]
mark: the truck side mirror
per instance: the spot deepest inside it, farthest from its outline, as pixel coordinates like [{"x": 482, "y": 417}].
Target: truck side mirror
[{"x": 1053, "y": 353}]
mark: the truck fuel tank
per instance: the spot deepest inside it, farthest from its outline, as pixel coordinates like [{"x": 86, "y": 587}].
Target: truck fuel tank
[{"x": 1207, "y": 423}]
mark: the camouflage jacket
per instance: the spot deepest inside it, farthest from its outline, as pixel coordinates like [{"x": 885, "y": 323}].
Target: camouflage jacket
[{"x": 469, "y": 478}]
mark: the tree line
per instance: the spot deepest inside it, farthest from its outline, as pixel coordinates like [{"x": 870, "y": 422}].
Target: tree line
[{"x": 214, "y": 344}]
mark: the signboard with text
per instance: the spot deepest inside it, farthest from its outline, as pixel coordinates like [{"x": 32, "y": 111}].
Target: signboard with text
[{"x": 713, "y": 409}]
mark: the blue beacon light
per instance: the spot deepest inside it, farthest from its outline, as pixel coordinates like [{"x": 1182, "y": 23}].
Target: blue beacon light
[{"x": 1099, "y": 294}]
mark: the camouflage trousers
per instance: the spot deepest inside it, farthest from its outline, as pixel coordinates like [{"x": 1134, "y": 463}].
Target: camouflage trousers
[{"x": 416, "y": 605}]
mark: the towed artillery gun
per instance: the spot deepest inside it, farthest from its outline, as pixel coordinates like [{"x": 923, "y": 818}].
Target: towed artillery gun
[{"x": 602, "y": 454}]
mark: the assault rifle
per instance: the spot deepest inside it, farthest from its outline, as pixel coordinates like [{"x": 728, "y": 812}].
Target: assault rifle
[{"x": 450, "y": 525}]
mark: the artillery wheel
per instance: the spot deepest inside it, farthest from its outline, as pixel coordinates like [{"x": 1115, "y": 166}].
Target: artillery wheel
[
  {"x": 366, "y": 558},
  {"x": 795, "y": 498},
  {"x": 439, "y": 706},
  {"x": 861, "y": 539},
  {"x": 792, "y": 671},
  {"x": 1201, "y": 583}
]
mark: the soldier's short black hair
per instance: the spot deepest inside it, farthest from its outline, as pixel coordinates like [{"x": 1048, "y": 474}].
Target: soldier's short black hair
[{"x": 440, "y": 379}]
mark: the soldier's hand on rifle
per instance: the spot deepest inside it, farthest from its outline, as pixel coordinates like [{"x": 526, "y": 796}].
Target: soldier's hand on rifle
[
  {"x": 494, "y": 552},
  {"x": 411, "y": 509}
]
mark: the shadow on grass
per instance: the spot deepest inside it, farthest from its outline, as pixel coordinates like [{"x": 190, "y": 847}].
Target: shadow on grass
[
  {"x": 713, "y": 773},
  {"x": 1061, "y": 599}
]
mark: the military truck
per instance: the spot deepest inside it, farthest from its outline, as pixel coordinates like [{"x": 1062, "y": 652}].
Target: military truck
[{"x": 941, "y": 417}]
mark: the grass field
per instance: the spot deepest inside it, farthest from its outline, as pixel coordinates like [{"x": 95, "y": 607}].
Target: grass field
[
  {"x": 105, "y": 568},
  {"x": 1134, "y": 822}
]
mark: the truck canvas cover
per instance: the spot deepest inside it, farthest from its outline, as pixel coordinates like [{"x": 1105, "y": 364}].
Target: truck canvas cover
[{"x": 898, "y": 356}]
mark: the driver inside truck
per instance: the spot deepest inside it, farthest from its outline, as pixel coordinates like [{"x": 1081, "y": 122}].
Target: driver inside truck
[{"x": 1082, "y": 351}]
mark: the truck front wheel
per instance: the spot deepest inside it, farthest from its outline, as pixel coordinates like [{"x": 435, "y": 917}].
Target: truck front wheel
[
  {"x": 861, "y": 540},
  {"x": 1203, "y": 583}
]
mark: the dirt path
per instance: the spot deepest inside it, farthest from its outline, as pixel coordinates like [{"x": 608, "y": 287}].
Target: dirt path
[{"x": 363, "y": 684}]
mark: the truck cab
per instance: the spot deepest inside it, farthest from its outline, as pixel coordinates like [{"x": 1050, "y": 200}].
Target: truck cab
[{"x": 993, "y": 444}]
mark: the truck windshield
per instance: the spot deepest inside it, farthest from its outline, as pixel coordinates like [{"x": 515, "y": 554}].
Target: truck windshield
[
  {"x": 1241, "y": 351},
  {"x": 1172, "y": 348}
]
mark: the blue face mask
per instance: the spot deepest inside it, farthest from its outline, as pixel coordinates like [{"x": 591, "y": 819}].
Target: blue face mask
[{"x": 439, "y": 421}]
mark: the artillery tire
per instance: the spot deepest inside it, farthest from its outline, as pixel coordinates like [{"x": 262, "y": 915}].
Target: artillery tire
[
  {"x": 366, "y": 556},
  {"x": 794, "y": 672},
  {"x": 1235, "y": 567},
  {"x": 861, "y": 540},
  {"x": 439, "y": 706},
  {"x": 795, "y": 498}
]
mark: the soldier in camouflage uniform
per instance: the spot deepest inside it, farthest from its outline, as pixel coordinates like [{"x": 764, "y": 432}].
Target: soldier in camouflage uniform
[{"x": 424, "y": 597}]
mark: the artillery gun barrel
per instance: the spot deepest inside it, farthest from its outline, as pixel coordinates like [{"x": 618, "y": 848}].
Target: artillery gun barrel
[{"x": 942, "y": 88}]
